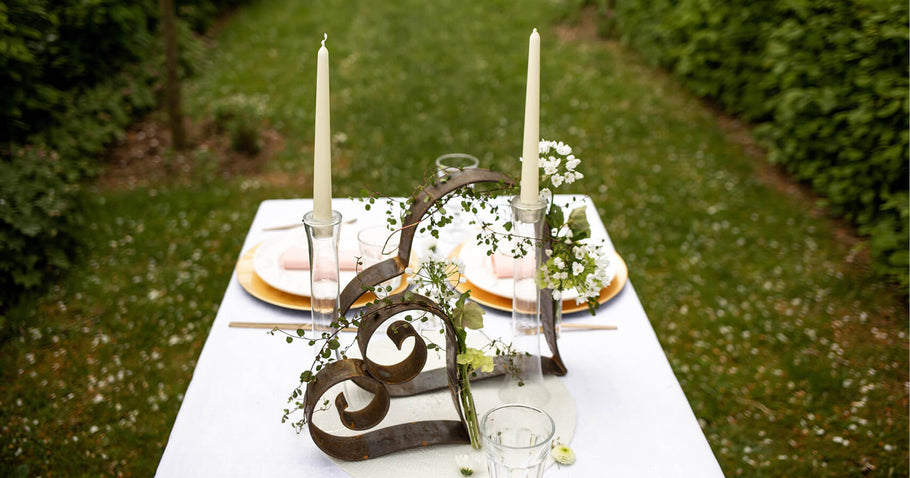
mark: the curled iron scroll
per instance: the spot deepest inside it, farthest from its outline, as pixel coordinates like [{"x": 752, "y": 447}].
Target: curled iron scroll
[{"x": 406, "y": 377}]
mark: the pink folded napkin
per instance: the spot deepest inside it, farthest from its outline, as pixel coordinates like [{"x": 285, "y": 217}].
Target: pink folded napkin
[
  {"x": 503, "y": 265},
  {"x": 298, "y": 258}
]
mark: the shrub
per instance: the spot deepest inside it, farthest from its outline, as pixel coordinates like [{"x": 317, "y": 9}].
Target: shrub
[
  {"x": 241, "y": 117},
  {"x": 826, "y": 80},
  {"x": 37, "y": 219},
  {"x": 73, "y": 76}
]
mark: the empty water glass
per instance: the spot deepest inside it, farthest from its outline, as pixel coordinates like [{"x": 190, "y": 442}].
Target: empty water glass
[
  {"x": 445, "y": 165},
  {"x": 449, "y": 163},
  {"x": 516, "y": 440},
  {"x": 377, "y": 244}
]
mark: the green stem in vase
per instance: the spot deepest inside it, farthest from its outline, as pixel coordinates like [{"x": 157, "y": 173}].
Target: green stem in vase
[
  {"x": 465, "y": 395},
  {"x": 467, "y": 405}
]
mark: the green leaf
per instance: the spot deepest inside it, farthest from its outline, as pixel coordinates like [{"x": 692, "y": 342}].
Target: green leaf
[
  {"x": 578, "y": 224},
  {"x": 556, "y": 217},
  {"x": 469, "y": 316}
]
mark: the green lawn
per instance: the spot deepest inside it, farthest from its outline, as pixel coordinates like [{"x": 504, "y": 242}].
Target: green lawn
[{"x": 793, "y": 356}]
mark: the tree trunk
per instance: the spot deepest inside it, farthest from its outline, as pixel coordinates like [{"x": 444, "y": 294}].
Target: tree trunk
[{"x": 172, "y": 80}]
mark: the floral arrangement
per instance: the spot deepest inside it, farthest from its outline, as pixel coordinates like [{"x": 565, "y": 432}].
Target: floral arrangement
[{"x": 573, "y": 263}]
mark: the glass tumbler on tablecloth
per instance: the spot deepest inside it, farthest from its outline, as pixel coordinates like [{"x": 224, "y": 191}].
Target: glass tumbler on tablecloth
[
  {"x": 516, "y": 440},
  {"x": 377, "y": 244},
  {"x": 523, "y": 381},
  {"x": 450, "y": 163},
  {"x": 322, "y": 242}
]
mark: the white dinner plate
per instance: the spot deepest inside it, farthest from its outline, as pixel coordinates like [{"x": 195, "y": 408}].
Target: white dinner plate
[
  {"x": 479, "y": 270},
  {"x": 297, "y": 282}
]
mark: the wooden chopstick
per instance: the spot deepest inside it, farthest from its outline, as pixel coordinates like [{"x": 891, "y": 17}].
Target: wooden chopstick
[
  {"x": 285, "y": 326},
  {"x": 587, "y": 326},
  {"x": 306, "y": 326},
  {"x": 299, "y": 224}
]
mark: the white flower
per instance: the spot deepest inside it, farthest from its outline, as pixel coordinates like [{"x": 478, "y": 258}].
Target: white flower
[
  {"x": 550, "y": 167},
  {"x": 558, "y": 263},
  {"x": 545, "y": 195},
  {"x": 577, "y": 268},
  {"x": 562, "y": 454},
  {"x": 556, "y": 180},
  {"x": 572, "y": 162},
  {"x": 467, "y": 463},
  {"x": 563, "y": 149}
]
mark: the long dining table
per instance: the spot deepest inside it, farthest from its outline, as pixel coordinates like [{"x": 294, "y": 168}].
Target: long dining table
[{"x": 630, "y": 418}]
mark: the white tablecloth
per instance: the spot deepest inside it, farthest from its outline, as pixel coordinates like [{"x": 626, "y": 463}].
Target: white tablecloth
[{"x": 633, "y": 418}]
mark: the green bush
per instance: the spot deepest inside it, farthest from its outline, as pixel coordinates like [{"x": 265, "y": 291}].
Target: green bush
[
  {"x": 73, "y": 76},
  {"x": 37, "y": 219},
  {"x": 825, "y": 79},
  {"x": 241, "y": 117},
  {"x": 52, "y": 50}
]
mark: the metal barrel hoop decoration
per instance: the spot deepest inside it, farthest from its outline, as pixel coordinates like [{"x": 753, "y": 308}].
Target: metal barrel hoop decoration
[{"x": 407, "y": 377}]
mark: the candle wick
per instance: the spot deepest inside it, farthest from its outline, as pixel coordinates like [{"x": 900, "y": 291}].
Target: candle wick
[{"x": 324, "y": 38}]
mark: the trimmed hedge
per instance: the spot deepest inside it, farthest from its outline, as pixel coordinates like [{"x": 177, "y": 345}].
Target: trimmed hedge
[
  {"x": 827, "y": 81},
  {"x": 73, "y": 76}
]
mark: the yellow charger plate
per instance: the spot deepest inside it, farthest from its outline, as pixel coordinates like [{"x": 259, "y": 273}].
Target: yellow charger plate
[
  {"x": 499, "y": 302},
  {"x": 258, "y": 288}
]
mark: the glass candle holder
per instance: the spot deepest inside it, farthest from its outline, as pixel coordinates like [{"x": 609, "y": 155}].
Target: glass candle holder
[
  {"x": 516, "y": 440},
  {"x": 523, "y": 381},
  {"x": 322, "y": 242}
]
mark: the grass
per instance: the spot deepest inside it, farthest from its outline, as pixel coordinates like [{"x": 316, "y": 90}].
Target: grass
[{"x": 793, "y": 356}]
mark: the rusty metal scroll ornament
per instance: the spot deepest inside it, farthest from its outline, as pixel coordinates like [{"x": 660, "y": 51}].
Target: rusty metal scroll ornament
[{"x": 407, "y": 377}]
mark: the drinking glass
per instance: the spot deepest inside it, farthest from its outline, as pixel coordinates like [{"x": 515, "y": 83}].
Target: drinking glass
[
  {"x": 377, "y": 244},
  {"x": 447, "y": 164},
  {"x": 516, "y": 440}
]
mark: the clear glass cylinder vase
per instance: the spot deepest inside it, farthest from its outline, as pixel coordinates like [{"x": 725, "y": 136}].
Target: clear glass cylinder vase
[
  {"x": 523, "y": 381},
  {"x": 322, "y": 243}
]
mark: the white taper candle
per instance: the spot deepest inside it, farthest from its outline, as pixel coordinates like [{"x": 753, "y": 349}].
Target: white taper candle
[
  {"x": 530, "y": 149},
  {"x": 322, "y": 151}
]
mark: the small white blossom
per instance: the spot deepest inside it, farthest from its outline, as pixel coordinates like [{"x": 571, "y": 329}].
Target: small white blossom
[
  {"x": 562, "y": 454},
  {"x": 467, "y": 463},
  {"x": 563, "y": 149},
  {"x": 577, "y": 268}
]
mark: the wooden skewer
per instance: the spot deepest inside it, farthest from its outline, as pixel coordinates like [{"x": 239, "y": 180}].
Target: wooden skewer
[
  {"x": 288, "y": 326},
  {"x": 298, "y": 224},
  {"x": 285, "y": 326},
  {"x": 587, "y": 326}
]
